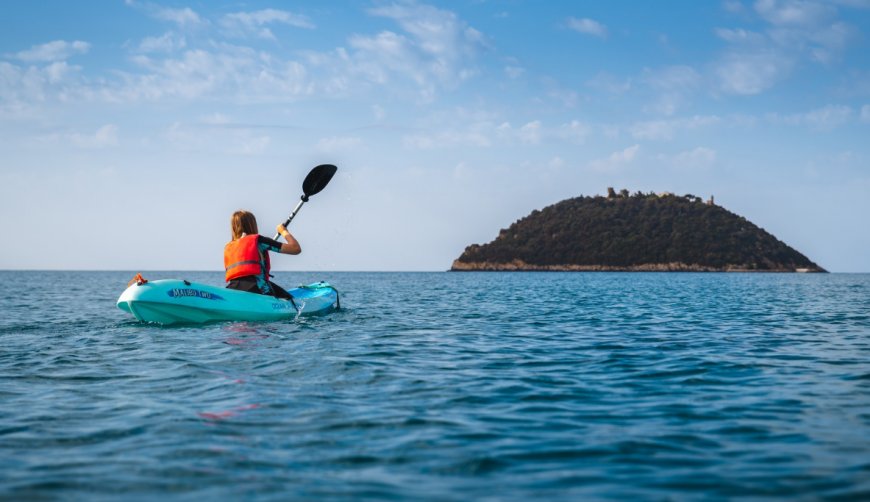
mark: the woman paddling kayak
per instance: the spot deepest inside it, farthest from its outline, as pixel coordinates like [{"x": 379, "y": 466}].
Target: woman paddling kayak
[{"x": 246, "y": 257}]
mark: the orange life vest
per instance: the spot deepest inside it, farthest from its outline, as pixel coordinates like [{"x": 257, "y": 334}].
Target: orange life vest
[{"x": 242, "y": 258}]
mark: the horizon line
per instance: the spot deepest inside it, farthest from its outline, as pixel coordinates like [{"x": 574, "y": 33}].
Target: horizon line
[{"x": 398, "y": 271}]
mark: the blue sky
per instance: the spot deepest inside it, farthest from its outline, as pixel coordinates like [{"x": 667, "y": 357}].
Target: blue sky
[{"x": 130, "y": 130}]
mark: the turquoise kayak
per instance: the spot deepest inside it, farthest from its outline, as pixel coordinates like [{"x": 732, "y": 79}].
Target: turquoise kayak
[{"x": 171, "y": 301}]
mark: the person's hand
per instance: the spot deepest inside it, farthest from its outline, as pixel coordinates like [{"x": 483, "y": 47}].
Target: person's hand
[{"x": 282, "y": 230}]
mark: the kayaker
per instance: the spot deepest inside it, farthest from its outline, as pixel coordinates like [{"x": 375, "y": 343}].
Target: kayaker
[{"x": 246, "y": 257}]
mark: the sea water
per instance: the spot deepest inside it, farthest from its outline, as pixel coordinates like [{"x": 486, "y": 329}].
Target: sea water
[{"x": 444, "y": 386}]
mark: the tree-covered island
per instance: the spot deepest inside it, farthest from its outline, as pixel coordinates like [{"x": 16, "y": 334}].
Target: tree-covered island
[{"x": 639, "y": 232}]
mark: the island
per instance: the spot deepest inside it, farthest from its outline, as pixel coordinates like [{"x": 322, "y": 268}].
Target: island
[{"x": 634, "y": 232}]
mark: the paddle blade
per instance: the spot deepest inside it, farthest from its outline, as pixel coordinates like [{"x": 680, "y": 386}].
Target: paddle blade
[{"x": 318, "y": 178}]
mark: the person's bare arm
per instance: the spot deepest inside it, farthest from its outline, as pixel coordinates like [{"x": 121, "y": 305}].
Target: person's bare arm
[{"x": 292, "y": 245}]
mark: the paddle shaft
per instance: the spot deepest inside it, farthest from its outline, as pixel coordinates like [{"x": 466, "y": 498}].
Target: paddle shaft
[
  {"x": 293, "y": 214},
  {"x": 315, "y": 182}
]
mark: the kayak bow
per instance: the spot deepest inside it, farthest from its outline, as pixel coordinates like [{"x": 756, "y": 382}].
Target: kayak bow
[{"x": 171, "y": 301}]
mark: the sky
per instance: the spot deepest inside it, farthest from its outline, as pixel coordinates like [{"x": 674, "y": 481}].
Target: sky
[{"x": 131, "y": 130}]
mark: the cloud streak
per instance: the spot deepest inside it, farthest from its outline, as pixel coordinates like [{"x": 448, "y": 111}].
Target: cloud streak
[
  {"x": 749, "y": 73},
  {"x": 57, "y": 50},
  {"x": 796, "y": 30},
  {"x": 673, "y": 86},
  {"x": 587, "y": 26},
  {"x": 437, "y": 49},
  {"x": 182, "y": 17},
  {"x": 668, "y": 129},
  {"x": 616, "y": 160},
  {"x": 697, "y": 158},
  {"x": 105, "y": 136},
  {"x": 168, "y": 42},
  {"x": 432, "y": 50},
  {"x": 256, "y": 23},
  {"x": 823, "y": 119}
]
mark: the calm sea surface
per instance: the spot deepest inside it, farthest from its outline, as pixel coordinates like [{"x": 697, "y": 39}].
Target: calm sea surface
[{"x": 444, "y": 386}]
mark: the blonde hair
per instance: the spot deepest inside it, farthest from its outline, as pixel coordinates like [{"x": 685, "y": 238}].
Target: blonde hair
[{"x": 243, "y": 222}]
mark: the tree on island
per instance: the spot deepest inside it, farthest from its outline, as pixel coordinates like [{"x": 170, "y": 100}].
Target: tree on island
[{"x": 634, "y": 232}]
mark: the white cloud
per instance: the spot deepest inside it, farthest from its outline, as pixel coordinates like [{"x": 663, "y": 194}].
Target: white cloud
[
  {"x": 337, "y": 144},
  {"x": 105, "y": 136},
  {"x": 168, "y": 42},
  {"x": 667, "y": 129},
  {"x": 455, "y": 127},
  {"x": 828, "y": 117},
  {"x": 587, "y": 26},
  {"x": 796, "y": 30},
  {"x": 611, "y": 131},
  {"x": 385, "y": 53},
  {"x": 238, "y": 73},
  {"x": 447, "y": 139},
  {"x": 59, "y": 72},
  {"x": 698, "y": 158},
  {"x": 24, "y": 89},
  {"x": 215, "y": 119},
  {"x": 438, "y": 32},
  {"x": 53, "y": 51},
  {"x": 535, "y": 132},
  {"x": 733, "y": 6},
  {"x": 574, "y": 131},
  {"x": 672, "y": 78},
  {"x": 181, "y": 17},
  {"x": 610, "y": 84},
  {"x": 530, "y": 133},
  {"x": 514, "y": 72},
  {"x": 752, "y": 72},
  {"x": 469, "y": 128},
  {"x": 793, "y": 12},
  {"x": 858, "y": 4},
  {"x": 177, "y": 133},
  {"x": 434, "y": 49},
  {"x": 567, "y": 96},
  {"x": 461, "y": 171},
  {"x": 441, "y": 35},
  {"x": 825, "y": 118},
  {"x": 242, "y": 73},
  {"x": 829, "y": 42},
  {"x": 194, "y": 74},
  {"x": 673, "y": 85},
  {"x": 616, "y": 160},
  {"x": 739, "y": 36},
  {"x": 254, "y": 23},
  {"x": 251, "y": 145},
  {"x": 229, "y": 140},
  {"x": 437, "y": 49}
]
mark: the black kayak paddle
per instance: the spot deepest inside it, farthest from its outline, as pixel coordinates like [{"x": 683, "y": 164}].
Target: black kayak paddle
[{"x": 316, "y": 181}]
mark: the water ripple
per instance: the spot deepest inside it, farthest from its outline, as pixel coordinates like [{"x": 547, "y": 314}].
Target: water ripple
[{"x": 446, "y": 387}]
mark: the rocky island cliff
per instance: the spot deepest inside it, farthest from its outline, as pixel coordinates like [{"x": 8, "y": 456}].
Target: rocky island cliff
[{"x": 640, "y": 232}]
